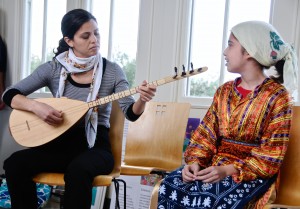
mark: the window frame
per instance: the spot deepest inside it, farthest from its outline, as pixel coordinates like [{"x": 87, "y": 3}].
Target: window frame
[
  {"x": 85, "y": 4},
  {"x": 204, "y": 102},
  {"x": 27, "y": 49},
  {"x": 149, "y": 67}
]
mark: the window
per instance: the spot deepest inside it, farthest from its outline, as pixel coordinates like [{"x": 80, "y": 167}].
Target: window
[
  {"x": 44, "y": 18},
  {"x": 210, "y": 24},
  {"x": 118, "y": 24}
]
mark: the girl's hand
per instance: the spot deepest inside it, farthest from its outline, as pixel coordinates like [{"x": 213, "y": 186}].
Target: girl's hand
[
  {"x": 215, "y": 174},
  {"x": 189, "y": 172}
]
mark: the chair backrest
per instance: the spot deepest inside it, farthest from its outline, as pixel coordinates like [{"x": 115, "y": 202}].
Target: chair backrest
[
  {"x": 289, "y": 188},
  {"x": 156, "y": 138},
  {"x": 117, "y": 119}
]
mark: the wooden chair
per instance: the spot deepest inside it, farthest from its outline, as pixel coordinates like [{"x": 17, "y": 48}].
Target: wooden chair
[
  {"x": 116, "y": 137},
  {"x": 289, "y": 188},
  {"x": 154, "y": 142},
  {"x": 154, "y": 196}
]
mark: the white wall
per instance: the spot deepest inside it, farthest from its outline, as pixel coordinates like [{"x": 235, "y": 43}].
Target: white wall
[
  {"x": 9, "y": 30},
  {"x": 160, "y": 48}
]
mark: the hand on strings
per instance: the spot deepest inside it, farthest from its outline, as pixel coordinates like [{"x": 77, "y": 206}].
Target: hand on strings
[
  {"x": 48, "y": 114},
  {"x": 146, "y": 91}
]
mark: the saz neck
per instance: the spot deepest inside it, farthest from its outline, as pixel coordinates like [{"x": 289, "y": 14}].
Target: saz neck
[{"x": 133, "y": 91}]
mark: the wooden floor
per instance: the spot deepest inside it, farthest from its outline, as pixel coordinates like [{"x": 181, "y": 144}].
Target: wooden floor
[{"x": 52, "y": 204}]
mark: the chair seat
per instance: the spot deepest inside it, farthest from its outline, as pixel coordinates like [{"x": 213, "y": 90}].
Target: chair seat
[
  {"x": 53, "y": 179},
  {"x": 280, "y": 206},
  {"x": 57, "y": 179},
  {"x": 140, "y": 170},
  {"x": 102, "y": 180},
  {"x": 288, "y": 199},
  {"x": 105, "y": 180}
]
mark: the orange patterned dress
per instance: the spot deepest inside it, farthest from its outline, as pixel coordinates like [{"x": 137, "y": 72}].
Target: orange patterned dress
[{"x": 252, "y": 133}]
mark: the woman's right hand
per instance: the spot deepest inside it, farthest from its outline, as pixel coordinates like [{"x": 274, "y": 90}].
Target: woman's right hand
[
  {"x": 189, "y": 172},
  {"x": 47, "y": 113}
]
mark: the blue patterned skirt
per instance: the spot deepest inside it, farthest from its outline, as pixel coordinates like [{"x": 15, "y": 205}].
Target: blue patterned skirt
[{"x": 175, "y": 194}]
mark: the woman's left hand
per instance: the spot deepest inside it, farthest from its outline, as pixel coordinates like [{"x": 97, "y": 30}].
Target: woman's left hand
[{"x": 146, "y": 91}]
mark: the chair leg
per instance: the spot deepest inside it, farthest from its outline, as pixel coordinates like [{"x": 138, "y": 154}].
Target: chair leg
[
  {"x": 154, "y": 195},
  {"x": 59, "y": 193},
  {"x": 117, "y": 188},
  {"x": 61, "y": 202}
]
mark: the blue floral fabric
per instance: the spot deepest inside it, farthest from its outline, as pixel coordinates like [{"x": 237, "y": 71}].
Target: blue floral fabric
[
  {"x": 43, "y": 193},
  {"x": 175, "y": 194}
]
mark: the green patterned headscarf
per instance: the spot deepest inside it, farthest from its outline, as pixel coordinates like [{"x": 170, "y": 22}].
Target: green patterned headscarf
[{"x": 263, "y": 42}]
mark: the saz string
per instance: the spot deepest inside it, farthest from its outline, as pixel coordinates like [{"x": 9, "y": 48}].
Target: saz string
[{"x": 132, "y": 91}]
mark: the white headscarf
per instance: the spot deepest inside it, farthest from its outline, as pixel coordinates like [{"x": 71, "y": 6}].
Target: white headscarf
[
  {"x": 263, "y": 42},
  {"x": 72, "y": 64}
]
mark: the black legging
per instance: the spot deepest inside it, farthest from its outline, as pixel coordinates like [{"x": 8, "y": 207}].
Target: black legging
[{"x": 68, "y": 154}]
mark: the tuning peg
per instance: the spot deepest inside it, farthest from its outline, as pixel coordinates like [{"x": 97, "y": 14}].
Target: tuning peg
[
  {"x": 192, "y": 68},
  {"x": 183, "y": 71},
  {"x": 175, "y": 69}
]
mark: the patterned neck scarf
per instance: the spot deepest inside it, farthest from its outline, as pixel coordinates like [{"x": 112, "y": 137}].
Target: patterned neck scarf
[
  {"x": 72, "y": 64},
  {"x": 263, "y": 42}
]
